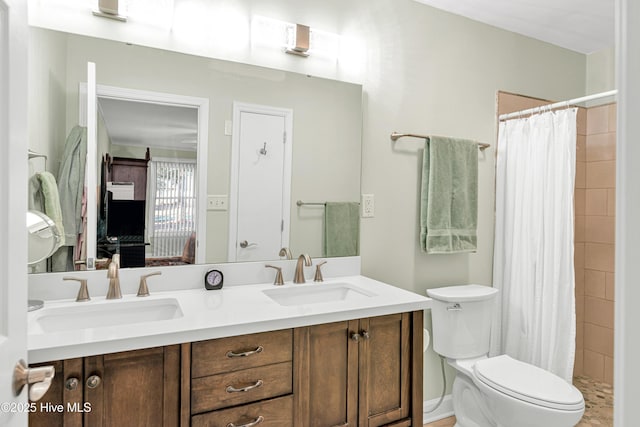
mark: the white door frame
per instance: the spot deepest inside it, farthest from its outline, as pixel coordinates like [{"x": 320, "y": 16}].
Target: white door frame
[
  {"x": 287, "y": 114},
  {"x": 202, "y": 105},
  {"x": 13, "y": 193}
]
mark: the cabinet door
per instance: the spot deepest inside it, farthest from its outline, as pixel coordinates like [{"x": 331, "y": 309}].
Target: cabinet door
[
  {"x": 385, "y": 369},
  {"x": 326, "y": 375},
  {"x": 61, "y": 405},
  {"x": 133, "y": 388}
]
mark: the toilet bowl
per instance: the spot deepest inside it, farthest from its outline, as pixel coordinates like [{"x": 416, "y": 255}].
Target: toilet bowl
[
  {"x": 494, "y": 391},
  {"x": 507, "y": 392}
]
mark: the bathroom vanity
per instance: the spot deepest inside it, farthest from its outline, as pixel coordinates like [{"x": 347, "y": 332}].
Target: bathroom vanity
[{"x": 354, "y": 360}]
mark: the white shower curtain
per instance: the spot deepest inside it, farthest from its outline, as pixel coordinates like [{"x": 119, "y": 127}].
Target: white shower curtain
[{"x": 533, "y": 266}]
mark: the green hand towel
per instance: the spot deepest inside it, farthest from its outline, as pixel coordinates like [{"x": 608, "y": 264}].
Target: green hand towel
[
  {"x": 449, "y": 197},
  {"x": 341, "y": 229},
  {"x": 49, "y": 189}
]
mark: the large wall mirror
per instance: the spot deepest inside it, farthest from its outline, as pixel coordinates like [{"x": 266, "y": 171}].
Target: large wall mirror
[{"x": 320, "y": 119}]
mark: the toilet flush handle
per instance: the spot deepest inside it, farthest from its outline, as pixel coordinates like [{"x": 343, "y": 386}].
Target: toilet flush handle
[{"x": 454, "y": 307}]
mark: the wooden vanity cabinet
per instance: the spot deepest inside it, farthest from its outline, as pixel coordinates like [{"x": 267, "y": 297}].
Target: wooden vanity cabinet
[
  {"x": 243, "y": 380},
  {"x": 133, "y": 388},
  {"x": 365, "y": 372}
]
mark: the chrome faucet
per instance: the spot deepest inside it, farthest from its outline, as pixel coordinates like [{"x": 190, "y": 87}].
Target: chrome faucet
[
  {"x": 298, "y": 276},
  {"x": 114, "y": 279}
]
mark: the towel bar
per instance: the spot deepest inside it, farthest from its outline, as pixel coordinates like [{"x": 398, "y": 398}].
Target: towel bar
[{"x": 396, "y": 135}]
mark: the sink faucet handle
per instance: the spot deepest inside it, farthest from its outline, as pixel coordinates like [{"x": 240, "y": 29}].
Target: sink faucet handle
[
  {"x": 318, "y": 276},
  {"x": 83, "y": 292},
  {"x": 143, "y": 289},
  {"x": 278, "y": 280}
]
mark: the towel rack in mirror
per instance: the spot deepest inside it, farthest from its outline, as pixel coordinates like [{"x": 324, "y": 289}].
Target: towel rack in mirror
[{"x": 395, "y": 136}]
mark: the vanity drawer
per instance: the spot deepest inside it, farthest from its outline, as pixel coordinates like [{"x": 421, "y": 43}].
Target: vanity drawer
[
  {"x": 235, "y": 353},
  {"x": 274, "y": 413},
  {"x": 239, "y": 387}
]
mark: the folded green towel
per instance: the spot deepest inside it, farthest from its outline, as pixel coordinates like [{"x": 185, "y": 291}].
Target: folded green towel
[
  {"x": 341, "y": 229},
  {"x": 449, "y": 198},
  {"x": 51, "y": 199}
]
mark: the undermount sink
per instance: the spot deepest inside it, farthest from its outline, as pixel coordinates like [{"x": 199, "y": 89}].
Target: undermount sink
[
  {"x": 107, "y": 313},
  {"x": 317, "y": 293}
]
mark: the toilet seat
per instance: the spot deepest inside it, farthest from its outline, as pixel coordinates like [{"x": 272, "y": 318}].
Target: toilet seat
[{"x": 528, "y": 383}]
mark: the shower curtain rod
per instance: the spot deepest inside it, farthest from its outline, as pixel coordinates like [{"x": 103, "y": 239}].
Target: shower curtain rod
[{"x": 555, "y": 105}]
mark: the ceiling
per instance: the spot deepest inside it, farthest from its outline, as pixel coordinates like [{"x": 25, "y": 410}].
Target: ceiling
[
  {"x": 150, "y": 125},
  {"x": 584, "y": 26}
]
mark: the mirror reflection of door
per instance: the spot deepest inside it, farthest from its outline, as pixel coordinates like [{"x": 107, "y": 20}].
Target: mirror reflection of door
[
  {"x": 162, "y": 132},
  {"x": 260, "y": 189}
]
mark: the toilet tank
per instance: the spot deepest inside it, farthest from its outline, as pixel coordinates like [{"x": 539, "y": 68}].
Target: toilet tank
[{"x": 462, "y": 317}]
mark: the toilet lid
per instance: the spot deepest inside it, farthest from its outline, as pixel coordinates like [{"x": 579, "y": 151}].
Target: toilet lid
[{"x": 529, "y": 383}]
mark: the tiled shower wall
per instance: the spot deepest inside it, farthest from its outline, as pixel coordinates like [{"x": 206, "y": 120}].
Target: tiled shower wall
[{"x": 594, "y": 241}]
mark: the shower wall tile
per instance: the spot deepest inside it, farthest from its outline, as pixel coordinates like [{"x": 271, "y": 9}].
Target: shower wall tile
[
  {"x": 581, "y": 148},
  {"x": 596, "y": 201},
  {"x": 595, "y": 283},
  {"x": 601, "y": 174},
  {"x": 595, "y": 163},
  {"x": 598, "y": 339},
  {"x": 599, "y": 229},
  {"x": 578, "y": 256},
  {"x": 579, "y": 275},
  {"x": 599, "y": 256},
  {"x": 579, "y": 201},
  {"x": 593, "y": 365},
  {"x": 613, "y": 114},
  {"x": 580, "y": 336},
  {"x": 601, "y": 146},
  {"x": 610, "y": 286},
  {"x": 598, "y": 120},
  {"x": 611, "y": 202},
  {"x": 581, "y": 121},
  {"x": 579, "y": 228},
  {"x": 598, "y": 311},
  {"x": 608, "y": 370},
  {"x": 581, "y": 175},
  {"x": 580, "y": 308},
  {"x": 578, "y": 361}
]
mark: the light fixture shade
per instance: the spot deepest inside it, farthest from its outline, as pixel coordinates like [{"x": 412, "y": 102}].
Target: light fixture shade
[
  {"x": 108, "y": 6},
  {"x": 300, "y": 44}
]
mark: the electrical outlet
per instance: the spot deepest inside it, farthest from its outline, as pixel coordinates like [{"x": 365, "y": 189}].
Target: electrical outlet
[
  {"x": 217, "y": 202},
  {"x": 368, "y": 206}
]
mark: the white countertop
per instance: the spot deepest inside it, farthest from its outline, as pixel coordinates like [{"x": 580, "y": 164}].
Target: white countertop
[{"x": 231, "y": 311}]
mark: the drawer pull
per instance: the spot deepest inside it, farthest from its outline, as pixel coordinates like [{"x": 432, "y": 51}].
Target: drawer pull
[
  {"x": 232, "y": 389},
  {"x": 251, "y": 424},
  {"x": 231, "y": 354}
]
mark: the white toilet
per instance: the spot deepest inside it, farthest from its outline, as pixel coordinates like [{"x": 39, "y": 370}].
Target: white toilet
[{"x": 494, "y": 391}]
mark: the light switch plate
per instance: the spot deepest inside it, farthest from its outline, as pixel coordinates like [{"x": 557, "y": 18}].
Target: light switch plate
[
  {"x": 217, "y": 202},
  {"x": 367, "y": 205},
  {"x": 228, "y": 127}
]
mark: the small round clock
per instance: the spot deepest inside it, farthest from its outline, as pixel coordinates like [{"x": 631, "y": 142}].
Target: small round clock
[{"x": 213, "y": 280}]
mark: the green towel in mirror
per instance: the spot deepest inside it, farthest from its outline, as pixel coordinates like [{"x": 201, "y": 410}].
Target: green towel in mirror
[
  {"x": 449, "y": 196},
  {"x": 341, "y": 229}
]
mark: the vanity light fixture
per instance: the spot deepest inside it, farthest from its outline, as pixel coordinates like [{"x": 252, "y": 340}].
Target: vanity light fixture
[
  {"x": 110, "y": 9},
  {"x": 298, "y": 44},
  {"x": 295, "y": 39}
]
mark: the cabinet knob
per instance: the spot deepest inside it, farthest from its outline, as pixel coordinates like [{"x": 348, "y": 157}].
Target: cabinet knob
[
  {"x": 93, "y": 381},
  {"x": 365, "y": 335},
  {"x": 72, "y": 384},
  {"x": 355, "y": 336}
]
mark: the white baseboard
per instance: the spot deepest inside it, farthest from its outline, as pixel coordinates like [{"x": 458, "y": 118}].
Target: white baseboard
[{"x": 443, "y": 411}]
